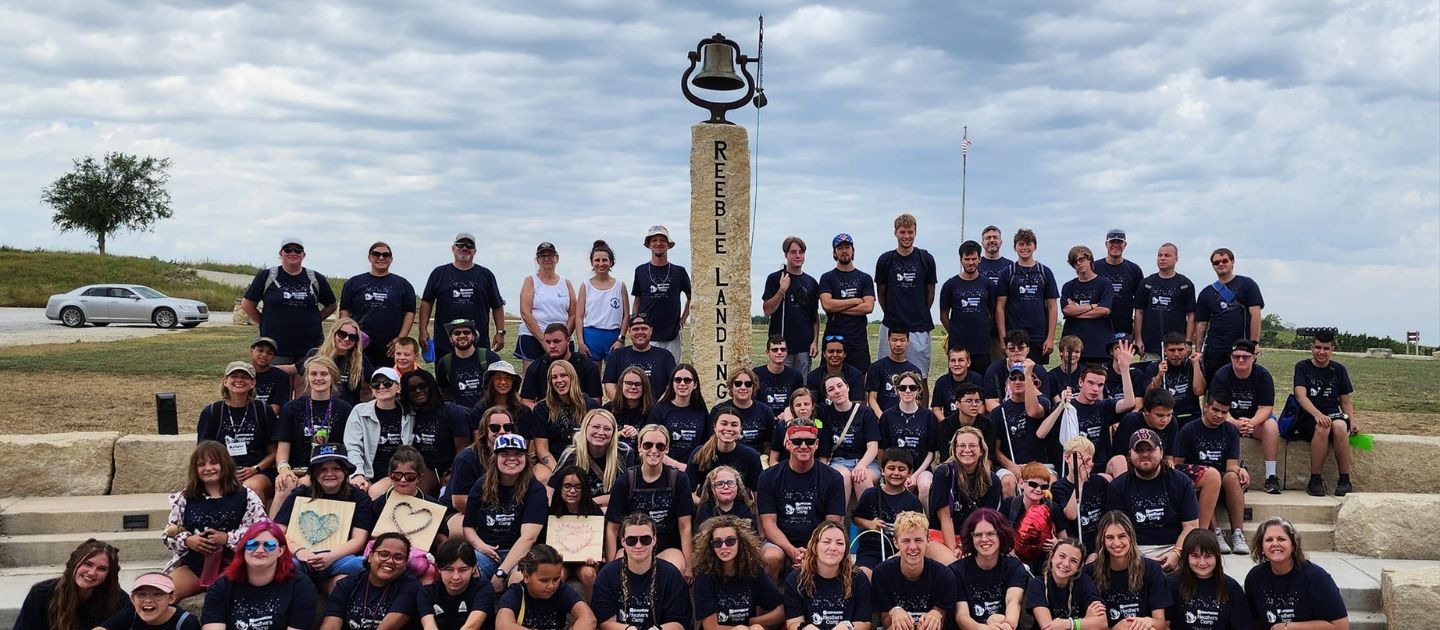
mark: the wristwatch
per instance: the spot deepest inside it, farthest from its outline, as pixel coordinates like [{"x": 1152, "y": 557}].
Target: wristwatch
[{"x": 501, "y": 574}]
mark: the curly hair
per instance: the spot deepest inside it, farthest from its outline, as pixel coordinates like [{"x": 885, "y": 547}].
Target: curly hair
[
  {"x": 1003, "y": 530},
  {"x": 237, "y": 571},
  {"x": 742, "y": 494},
  {"x": 911, "y": 521},
  {"x": 1132, "y": 560},
  {"x": 748, "y": 563},
  {"x": 810, "y": 566}
]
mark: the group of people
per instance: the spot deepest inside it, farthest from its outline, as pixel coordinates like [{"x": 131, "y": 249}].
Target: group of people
[{"x": 976, "y": 494}]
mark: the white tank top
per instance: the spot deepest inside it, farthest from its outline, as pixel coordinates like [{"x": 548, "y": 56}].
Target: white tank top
[
  {"x": 603, "y": 307},
  {"x": 550, "y": 304}
]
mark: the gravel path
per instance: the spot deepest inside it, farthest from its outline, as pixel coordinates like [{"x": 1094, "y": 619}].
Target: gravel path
[
  {"x": 28, "y": 326},
  {"x": 241, "y": 281}
]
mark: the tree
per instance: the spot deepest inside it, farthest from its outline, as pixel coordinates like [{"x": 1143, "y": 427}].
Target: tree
[{"x": 102, "y": 198}]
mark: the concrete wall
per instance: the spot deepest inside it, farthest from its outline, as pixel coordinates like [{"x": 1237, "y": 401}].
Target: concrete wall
[
  {"x": 1396, "y": 463},
  {"x": 87, "y": 464}
]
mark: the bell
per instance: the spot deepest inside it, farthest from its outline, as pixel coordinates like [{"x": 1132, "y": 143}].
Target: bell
[{"x": 718, "y": 71}]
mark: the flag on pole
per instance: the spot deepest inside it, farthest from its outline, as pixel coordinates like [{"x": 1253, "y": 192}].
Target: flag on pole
[{"x": 965, "y": 146}]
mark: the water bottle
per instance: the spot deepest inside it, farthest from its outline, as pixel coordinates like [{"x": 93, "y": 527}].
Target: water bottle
[{"x": 429, "y": 352}]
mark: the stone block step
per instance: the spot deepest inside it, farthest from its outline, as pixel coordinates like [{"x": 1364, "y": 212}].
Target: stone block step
[
  {"x": 49, "y": 549},
  {"x": 1296, "y": 507},
  {"x": 93, "y": 514}
]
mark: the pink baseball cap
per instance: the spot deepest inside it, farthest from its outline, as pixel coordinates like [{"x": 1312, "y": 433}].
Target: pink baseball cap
[{"x": 155, "y": 580}]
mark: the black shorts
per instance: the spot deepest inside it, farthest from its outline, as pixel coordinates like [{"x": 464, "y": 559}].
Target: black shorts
[{"x": 1302, "y": 428}]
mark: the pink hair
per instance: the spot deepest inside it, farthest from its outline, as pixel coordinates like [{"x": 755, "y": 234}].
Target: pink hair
[{"x": 237, "y": 570}]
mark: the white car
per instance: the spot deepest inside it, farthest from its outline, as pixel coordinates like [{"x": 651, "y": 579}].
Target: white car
[{"x": 103, "y": 304}]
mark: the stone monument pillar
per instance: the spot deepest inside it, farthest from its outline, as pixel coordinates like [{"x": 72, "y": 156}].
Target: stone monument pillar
[{"x": 719, "y": 253}]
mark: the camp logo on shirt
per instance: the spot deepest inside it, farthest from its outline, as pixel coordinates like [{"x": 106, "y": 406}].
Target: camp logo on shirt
[
  {"x": 969, "y": 302},
  {"x": 1030, "y": 290},
  {"x": 298, "y": 295},
  {"x": 905, "y": 277},
  {"x": 849, "y": 292},
  {"x": 1158, "y": 300},
  {"x": 1153, "y": 515},
  {"x": 657, "y": 288},
  {"x": 376, "y": 296}
]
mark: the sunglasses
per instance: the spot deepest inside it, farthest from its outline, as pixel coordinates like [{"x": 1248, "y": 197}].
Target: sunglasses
[
  {"x": 834, "y": 337},
  {"x": 269, "y": 545},
  {"x": 1018, "y": 377},
  {"x": 508, "y": 427},
  {"x": 654, "y": 446},
  {"x": 781, "y": 349},
  {"x": 340, "y": 334},
  {"x": 1037, "y": 485},
  {"x": 1217, "y": 263},
  {"x": 641, "y": 541},
  {"x": 465, "y": 246},
  {"x": 463, "y": 332},
  {"x": 746, "y": 384},
  {"x": 634, "y": 384},
  {"x": 407, "y": 477},
  {"x": 381, "y": 384},
  {"x": 803, "y": 441},
  {"x": 728, "y": 541},
  {"x": 683, "y": 380},
  {"x": 1242, "y": 357},
  {"x": 907, "y": 388},
  {"x": 294, "y": 250},
  {"x": 381, "y": 255}
]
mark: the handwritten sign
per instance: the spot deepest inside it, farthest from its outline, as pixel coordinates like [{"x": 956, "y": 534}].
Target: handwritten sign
[{"x": 577, "y": 538}]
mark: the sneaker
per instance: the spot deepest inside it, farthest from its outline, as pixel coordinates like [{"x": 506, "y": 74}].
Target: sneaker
[
  {"x": 1272, "y": 485},
  {"x": 1224, "y": 540},
  {"x": 1343, "y": 487},
  {"x": 1239, "y": 546},
  {"x": 1316, "y": 487}
]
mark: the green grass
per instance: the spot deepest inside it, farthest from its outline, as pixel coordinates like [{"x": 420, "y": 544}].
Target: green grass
[{"x": 210, "y": 265}]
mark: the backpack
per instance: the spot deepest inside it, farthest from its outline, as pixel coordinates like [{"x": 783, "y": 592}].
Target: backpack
[
  {"x": 1039, "y": 269},
  {"x": 274, "y": 279},
  {"x": 671, "y": 475}
]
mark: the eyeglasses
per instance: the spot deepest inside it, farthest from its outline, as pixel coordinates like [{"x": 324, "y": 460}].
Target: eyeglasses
[
  {"x": 803, "y": 441},
  {"x": 632, "y": 384},
  {"x": 571, "y": 487},
  {"x": 381, "y": 384},
  {"x": 465, "y": 246},
  {"x": 989, "y": 534},
  {"x": 150, "y": 594},
  {"x": 1037, "y": 485},
  {"x": 387, "y": 557},
  {"x": 654, "y": 446},
  {"x": 407, "y": 477},
  {"x": 293, "y": 250},
  {"x": 725, "y": 483},
  {"x": 340, "y": 334},
  {"x": 640, "y": 541},
  {"x": 381, "y": 254},
  {"x": 683, "y": 380},
  {"x": 508, "y": 427},
  {"x": 745, "y": 384},
  {"x": 728, "y": 541},
  {"x": 907, "y": 388},
  {"x": 269, "y": 545}
]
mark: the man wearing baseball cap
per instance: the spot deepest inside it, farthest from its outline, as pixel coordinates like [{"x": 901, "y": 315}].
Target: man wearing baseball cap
[
  {"x": 272, "y": 385},
  {"x": 1251, "y": 391},
  {"x": 461, "y": 290},
  {"x": 460, "y": 373},
  {"x": 1124, "y": 276},
  {"x": 848, "y": 297},
  {"x": 295, "y": 300},
  {"x": 794, "y": 497},
  {"x": 657, "y": 364},
  {"x": 1159, "y": 500},
  {"x": 658, "y": 288}
]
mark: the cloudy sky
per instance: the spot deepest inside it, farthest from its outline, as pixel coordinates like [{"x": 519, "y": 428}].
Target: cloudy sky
[{"x": 1303, "y": 135}]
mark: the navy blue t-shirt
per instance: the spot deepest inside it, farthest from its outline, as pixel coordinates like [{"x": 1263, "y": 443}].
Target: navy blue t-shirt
[
  {"x": 854, "y": 379},
  {"x": 499, "y": 524},
  {"x": 362, "y": 605},
  {"x": 1134, "y": 421},
  {"x": 379, "y": 304},
  {"x": 1180, "y": 382},
  {"x": 1093, "y": 333},
  {"x": 734, "y": 601},
  {"x": 828, "y": 605},
  {"x": 276, "y": 605},
  {"x": 1122, "y": 603},
  {"x": 225, "y": 514},
  {"x": 464, "y": 472},
  {"x": 757, "y": 423},
  {"x": 540, "y": 614},
  {"x": 738, "y": 509},
  {"x": 363, "y": 517},
  {"x": 865, "y": 428},
  {"x": 290, "y": 312},
  {"x": 1199, "y": 444},
  {"x": 972, "y": 309},
  {"x": 1324, "y": 385},
  {"x": 435, "y": 432},
  {"x": 943, "y": 393},
  {"x": 689, "y": 427},
  {"x": 1092, "y": 505},
  {"x": 670, "y": 605},
  {"x": 1247, "y": 394},
  {"x": 1124, "y": 279},
  {"x": 666, "y": 499},
  {"x": 914, "y": 432},
  {"x": 773, "y": 390},
  {"x": 1158, "y": 507},
  {"x": 946, "y": 493},
  {"x": 1095, "y": 422},
  {"x": 1018, "y": 439},
  {"x": 984, "y": 591},
  {"x": 800, "y": 501},
  {"x": 991, "y": 269},
  {"x": 907, "y": 280},
  {"x": 845, "y": 285},
  {"x": 1204, "y": 610},
  {"x": 306, "y": 423},
  {"x": 560, "y": 429},
  {"x": 995, "y": 376},
  {"x": 451, "y": 611},
  {"x": 536, "y": 379},
  {"x": 470, "y": 294},
  {"x": 1115, "y": 388},
  {"x": 463, "y": 378},
  {"x": 127, "y": 619},
  {"x": 658, "y": 364},
  {"x": 880, "y": 380},
  {"x": 935, "y": 588},
  {"x": 1067, "y": 602},
  {"x": 743, "y": 458},
  {"x": 245, "y": 431},
  {"x": 1306, "y": 593},
  {"x": 659, "y": 290},
  {"x": 272, "y": 387},
  {"x": 798, "y": 312},
  {"x": 1229, "y": 319},
  {"x": 1026, "y": 291},
  {"x": 876, "y": 503},
  {"x": 1166, "y": 302}
]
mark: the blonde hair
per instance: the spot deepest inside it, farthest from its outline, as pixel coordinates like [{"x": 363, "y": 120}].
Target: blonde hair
[
  {"x": 810, "y": 566},
  {"x": 581, "y": 448},
  {"x": 911, "y": 521},
  {"x": 355, "y": 372},
  {"x": 981, "y": 485},
  {"x": 905, "y": 220},
  {"x": 573, "y": 402},
  {"x": 330, "y": 366},
  {"x": 1080, "y": 444}
]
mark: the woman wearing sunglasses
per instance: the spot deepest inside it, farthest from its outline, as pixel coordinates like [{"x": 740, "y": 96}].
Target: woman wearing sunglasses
[
  {"x": 244, "y": 425},
  {"x": 757, "y": 421},
  {"x": 500, "y": 387},
  {"x": 383, "y": 303},
  {"x": 827, "y": 592},
  {"x": 632, "y": 403},
  {"x": 597, "y": 450},
  {"x": 471, "y": 462},
  {"x": 261, "y": 587},
  {"x": 342, "y": 346},
  {"x": 682, "y": 411},
  {"x": 1037, "y": 519},
  {"x": 659, "y": 491},
  {"x": 440, "y": 426},
  {"x": 316, "y": 417},
  {"x": 724, "y": 493},
  {"x": 638, "y": 589},
  {"x": 375, "y": 429},
  {"x": 383, "y": 595},
  {"x": 994, "y": 581},
  {"x": 911, "y": 426},
  {"x": 505, "y": 511},
  {"x": 731, "y": 588},
  {"x": 407, "y": 468},
  {"x": 295, "y": 302},
  {"x": 329, "y": 466},
  {"x": 724, "y": 448},
  {"x": 560, "y": 414},
  {"x": 208, "y": 516}
]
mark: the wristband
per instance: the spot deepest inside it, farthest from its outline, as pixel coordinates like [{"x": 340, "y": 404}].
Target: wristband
[
  {"x": 1075, "y": 624},
  {"x": 282, "y": 466}
]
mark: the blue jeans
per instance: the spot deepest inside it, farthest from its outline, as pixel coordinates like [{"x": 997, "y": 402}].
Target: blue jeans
[
  {"x": 347, "y": 565},
  {"x": 485, "y": 566}
]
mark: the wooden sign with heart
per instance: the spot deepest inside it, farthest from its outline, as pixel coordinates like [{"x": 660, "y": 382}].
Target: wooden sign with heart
[
  {"x": 419, "y": 520},
  {"x": 577, "y": 538},
  {"x": 319, "y": 524}
]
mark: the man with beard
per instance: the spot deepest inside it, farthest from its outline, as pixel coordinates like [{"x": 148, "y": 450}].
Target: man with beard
[
  {"x": 992, "y": 264},
  {"x": 796, "y": 295},
  {"x": 556, "y": 343},
  {"x": 461, "y": 372},
  {"x": 462, "y": 290},
  {"x": 905, "y": 290},
  {"x": 1180, "y": 374},
  {"x": 794, "y": 497},
  {"x": 657, "y": 363},
  {"x": 848, "y": 296},
  {"x": 1124, "y": 276},
  {"x": 1251, "y": 391},
  {"x": 1159, "y": 500},
  {"x": 967, "y": 309},
  {"x": 1164, "y": 303},
  {"x": 658, "y": 288}
]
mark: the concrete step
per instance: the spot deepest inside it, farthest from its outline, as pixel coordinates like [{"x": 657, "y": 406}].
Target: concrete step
[
  {"x": 65, "y": 515},
  {"x": 48, "y": 549},
  {"x": 1296, "y": 507}
]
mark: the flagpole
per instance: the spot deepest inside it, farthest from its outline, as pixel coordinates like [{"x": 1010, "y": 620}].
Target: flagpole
[{"x": 964, "y": 159}]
